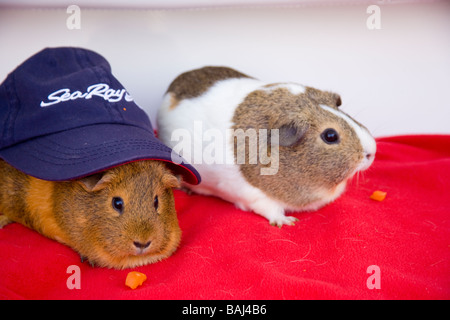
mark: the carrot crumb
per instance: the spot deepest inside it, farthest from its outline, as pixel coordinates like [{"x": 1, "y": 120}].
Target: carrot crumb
[
  {"x": 378, "y": 195},
  {"x": 135, "y": 279}
]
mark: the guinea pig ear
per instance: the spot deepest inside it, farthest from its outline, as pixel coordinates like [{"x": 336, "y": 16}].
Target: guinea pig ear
[
  {"x": 324, "y": 97},
  {"x": 290, "y": 134},
  {"x": 95, "y": 182},
  {"x": 338, "y": 100},
  {"x": 170, "y": 181}
]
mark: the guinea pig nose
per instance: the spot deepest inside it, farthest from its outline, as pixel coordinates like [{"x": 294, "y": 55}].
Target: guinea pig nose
[{"x": 141, "y": 245}]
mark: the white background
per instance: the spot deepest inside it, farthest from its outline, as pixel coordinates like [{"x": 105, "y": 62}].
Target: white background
[{"x": 395, "y": 80}]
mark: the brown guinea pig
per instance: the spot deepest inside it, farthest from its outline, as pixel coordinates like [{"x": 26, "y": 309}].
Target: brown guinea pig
[
  {"x": 121, "y": 218},
  {"x": 267, "y": 147}
]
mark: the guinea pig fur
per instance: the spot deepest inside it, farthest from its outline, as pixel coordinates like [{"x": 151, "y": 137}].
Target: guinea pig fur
[
  {"x": 316, "y": 146},
  {"x": 121, "y": 218}
]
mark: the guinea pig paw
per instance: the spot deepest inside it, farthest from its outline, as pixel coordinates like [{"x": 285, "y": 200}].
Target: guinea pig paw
[
  {"x": 83, "y": 259},
  {"x": 283, "y": 220},
  {"x": 4, "y": 220}
]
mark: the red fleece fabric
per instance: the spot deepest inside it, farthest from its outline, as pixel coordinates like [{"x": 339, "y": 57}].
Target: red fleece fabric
[{"x": 226, "y": 253}]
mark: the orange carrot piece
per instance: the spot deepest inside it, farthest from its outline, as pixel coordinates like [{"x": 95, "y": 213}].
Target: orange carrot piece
[
  {"x": 135, "y": 279},
  {"x": 378, "y": 195}
]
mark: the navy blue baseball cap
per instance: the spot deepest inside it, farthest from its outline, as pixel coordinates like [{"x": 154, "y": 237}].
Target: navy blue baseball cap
[{"x": 63, "y": 116}]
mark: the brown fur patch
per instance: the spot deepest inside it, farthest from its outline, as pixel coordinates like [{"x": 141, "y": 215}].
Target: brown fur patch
[
  {"x": 12, "y": 194},
  {"x": 28, "y": 200},
  {"x": 194, "y": 83},
  {"x": 39, "y": 204},
  {"x": 309, "y": 168}
]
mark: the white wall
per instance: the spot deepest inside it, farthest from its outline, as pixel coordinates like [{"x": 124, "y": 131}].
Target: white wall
[{"x": 395, "y": 80}]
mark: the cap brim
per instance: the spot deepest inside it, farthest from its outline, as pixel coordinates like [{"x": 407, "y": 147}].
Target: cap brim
[{"x": 79, "y": 152}]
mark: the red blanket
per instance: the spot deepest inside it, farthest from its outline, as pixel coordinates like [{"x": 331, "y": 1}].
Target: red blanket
[{"x": 355, "y": 248}]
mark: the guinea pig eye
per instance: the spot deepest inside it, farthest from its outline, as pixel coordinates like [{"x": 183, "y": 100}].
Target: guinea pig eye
[
  {"x": 156, "y": 203},
  {"x": 118, "y": 204},
  {"x": 330, "y": 136}
]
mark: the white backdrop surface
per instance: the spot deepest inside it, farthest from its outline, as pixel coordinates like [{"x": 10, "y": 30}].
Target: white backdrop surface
[{"x": 395, "y": 80}]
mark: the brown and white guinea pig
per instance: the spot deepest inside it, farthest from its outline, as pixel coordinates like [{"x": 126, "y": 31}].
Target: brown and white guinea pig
[
  {"x": 313, "y": 147},
  {"x": 121, "y": 218}
]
